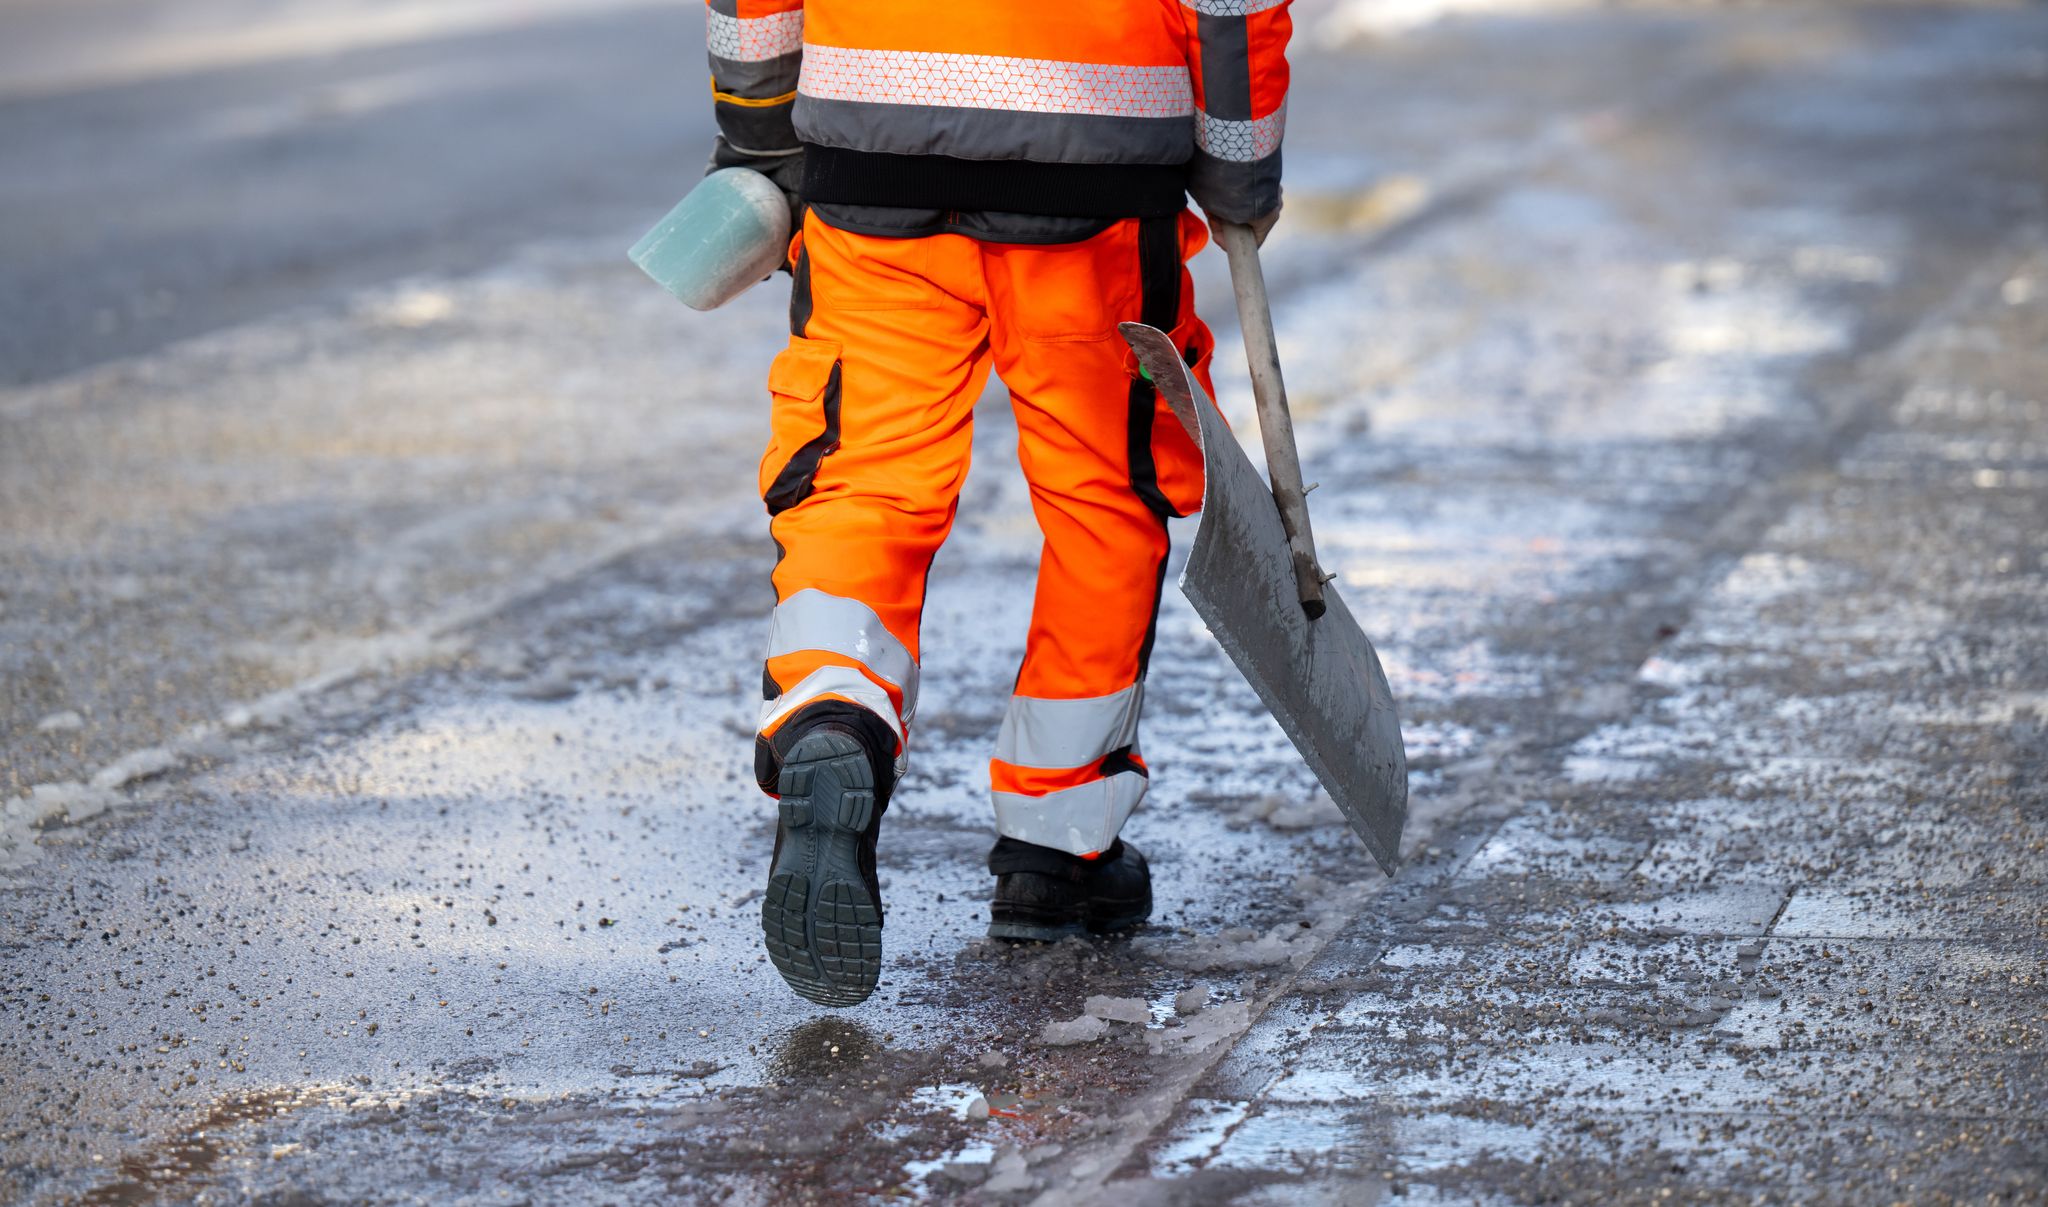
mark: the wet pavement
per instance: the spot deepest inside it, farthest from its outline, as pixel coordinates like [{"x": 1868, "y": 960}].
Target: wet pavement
[
  {"x": 380, "y": 820},
  {"x": 1778, "y": 931}
]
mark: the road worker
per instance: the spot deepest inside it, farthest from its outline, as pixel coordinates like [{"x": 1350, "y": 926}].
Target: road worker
[{"x": 981, "y": 185}]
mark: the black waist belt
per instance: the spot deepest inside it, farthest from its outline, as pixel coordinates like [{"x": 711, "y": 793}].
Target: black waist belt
[{"x": 1014, "y": 186}]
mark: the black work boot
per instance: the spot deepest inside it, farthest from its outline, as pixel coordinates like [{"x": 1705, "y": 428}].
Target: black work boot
[
  {"x": 1044, "y": 894},
  {"x": 822, "y": 918}
]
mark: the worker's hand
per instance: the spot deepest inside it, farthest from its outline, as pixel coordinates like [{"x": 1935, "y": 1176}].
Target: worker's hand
[{"x": 1261, "y": 226}]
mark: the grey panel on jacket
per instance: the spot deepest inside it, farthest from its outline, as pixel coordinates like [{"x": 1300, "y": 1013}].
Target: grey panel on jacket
[
  {"x": 1233, "y": 191},
  {"x": 757, "y": 129},
  {"x": 967, "y": 133},
  {"x": 1226, "y": 67},
  {"x": 763, "y": 80}
]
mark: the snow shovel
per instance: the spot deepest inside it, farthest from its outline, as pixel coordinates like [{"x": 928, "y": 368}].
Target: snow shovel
[{"x": 1253, "y": 577}]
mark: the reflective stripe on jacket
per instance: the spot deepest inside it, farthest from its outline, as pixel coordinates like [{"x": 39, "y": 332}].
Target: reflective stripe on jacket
[{"x": 1110, "y": 109}]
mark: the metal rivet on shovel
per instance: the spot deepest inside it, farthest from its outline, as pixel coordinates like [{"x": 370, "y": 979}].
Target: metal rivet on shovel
[{"x": 1252, "y": 577}]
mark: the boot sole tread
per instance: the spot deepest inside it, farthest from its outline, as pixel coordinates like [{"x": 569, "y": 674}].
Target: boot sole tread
[{"x": 820, "y": 925}]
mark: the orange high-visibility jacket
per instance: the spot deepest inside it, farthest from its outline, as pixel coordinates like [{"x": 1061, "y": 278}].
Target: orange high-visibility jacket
[{"x": 1090, "y": 108}]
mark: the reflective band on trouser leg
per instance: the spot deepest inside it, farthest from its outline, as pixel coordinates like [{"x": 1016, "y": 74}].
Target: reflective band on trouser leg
[
  {"x": 1071, "y": 739},
  {"x": 812, "y": 619},
  {"x": 1054, "y": 735},
  {"x": 836, "y": 683},
  {"x": 1080, "y": 820},
  {"x": 814, "y": 622}
]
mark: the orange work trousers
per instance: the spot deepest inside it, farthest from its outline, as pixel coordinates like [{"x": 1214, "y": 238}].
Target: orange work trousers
[{"x": 892, "y": 342}]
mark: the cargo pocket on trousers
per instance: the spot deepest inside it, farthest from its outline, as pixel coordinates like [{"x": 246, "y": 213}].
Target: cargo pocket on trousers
[{"x": 804, "y": 384}]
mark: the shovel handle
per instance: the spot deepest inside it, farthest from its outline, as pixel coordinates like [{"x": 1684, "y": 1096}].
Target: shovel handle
[{"x": 1276, "y": 427}]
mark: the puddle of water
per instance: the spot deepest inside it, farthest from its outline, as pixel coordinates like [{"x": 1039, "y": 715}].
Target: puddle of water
[
  {"x": 1279, "y": 1140},
  {"x": 980, "y": 1152},
  {"x": 953, "y": 1097},
  {"x": 1440, "y": 1141},
  {"x": 169, "y": 1169},
  {"x": 1204, "y": 1125},
  {"x": 162, "y": 1170}
]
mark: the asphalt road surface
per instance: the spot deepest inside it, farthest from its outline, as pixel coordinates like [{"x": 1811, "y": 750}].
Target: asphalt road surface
[{"x": 381, "y": 584}]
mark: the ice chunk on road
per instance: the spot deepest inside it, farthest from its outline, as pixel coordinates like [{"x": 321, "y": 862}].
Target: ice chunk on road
[
  {"x": 1285, "y": 812},
  {"x": 1242, "y": 947},
  {"x": 1083, "y": 1030},
  {"x": 1203, "y": 1031},
  {"x": 1008, "y": 1174},
  {"x": 1117, "y": 1009},
  {"x": 1096, "y": 1014},
  {"x": 140, "y": 765},
  {"x": 68, "y": 799}
]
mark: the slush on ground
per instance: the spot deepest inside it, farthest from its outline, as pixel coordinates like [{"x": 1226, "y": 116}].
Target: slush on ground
[{"x": 383, "y": 581}]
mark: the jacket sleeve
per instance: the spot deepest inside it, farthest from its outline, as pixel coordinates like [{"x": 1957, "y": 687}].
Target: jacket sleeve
[
  {"x": 756, "y": 51},
  {"x": 1238, "y": 57}
]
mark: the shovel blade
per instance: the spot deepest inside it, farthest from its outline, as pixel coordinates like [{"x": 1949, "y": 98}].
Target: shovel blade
[{"x": 1320, "y": 678}]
